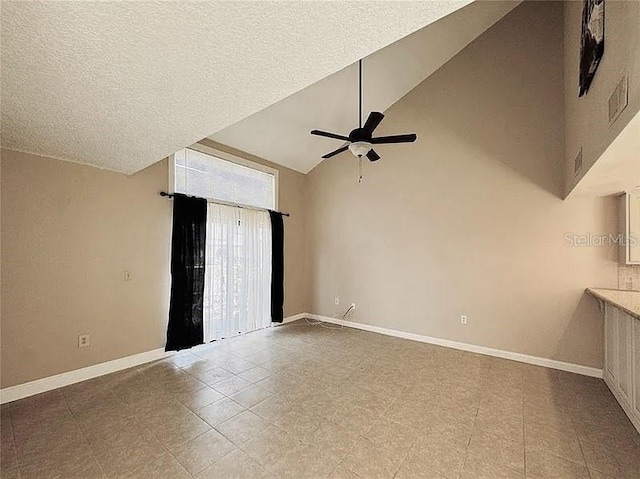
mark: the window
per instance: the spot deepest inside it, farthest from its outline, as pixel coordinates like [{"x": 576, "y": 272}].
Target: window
[
  {"x": 207, "y": 173},
  {"x": 237, "y": 285}
]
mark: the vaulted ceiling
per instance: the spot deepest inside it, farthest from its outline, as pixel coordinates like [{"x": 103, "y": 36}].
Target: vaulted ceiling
[
  {"x": 120, "y": 85},
  {"x": 280, "y": 133}
]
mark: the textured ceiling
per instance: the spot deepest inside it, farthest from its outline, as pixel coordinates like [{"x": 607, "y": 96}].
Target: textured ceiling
[
  {"x": 121, "y": 85},
  {"x": 280, "y": 133},
  {"x": 618, "y": 169}
]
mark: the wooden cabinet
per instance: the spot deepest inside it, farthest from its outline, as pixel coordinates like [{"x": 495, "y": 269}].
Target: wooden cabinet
[
  {"x": 629, "y": 221},
  {"x": 622, "y": 360}
]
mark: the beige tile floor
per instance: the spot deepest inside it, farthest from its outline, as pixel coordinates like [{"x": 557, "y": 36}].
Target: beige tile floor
[{"x": 303, "y": 401}]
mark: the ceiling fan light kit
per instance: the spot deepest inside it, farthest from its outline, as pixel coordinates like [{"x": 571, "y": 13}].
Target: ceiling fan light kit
[
  {"x": 360, "y": 148},
  {"x": 360, "y": 141}
]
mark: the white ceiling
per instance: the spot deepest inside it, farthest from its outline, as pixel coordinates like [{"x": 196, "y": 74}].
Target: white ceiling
[
  {"x": 280, "y": 133},
  {"x": 618, "y": 169},
  {"x": 121, "y": 85}
]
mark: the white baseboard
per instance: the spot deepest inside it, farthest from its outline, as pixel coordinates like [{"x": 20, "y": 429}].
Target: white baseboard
[
  {"x": 38, "y": 386},
  {"x": 499, "y": 353},
  {"x": 50, "y": 383},
  {"x": 631, "y": 414},
  {"x": 295, "y": 317}
]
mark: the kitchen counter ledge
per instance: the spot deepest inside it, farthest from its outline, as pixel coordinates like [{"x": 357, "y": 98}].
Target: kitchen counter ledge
[{"x": 627, "y": 301}]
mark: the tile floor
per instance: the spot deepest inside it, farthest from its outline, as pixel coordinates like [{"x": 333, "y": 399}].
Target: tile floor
[{"x": 303, "y": 401}]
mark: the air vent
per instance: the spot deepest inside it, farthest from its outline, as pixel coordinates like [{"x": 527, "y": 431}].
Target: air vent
[
  {"x": 577, "y": 163},
  {"x": 619, "y": 99}
]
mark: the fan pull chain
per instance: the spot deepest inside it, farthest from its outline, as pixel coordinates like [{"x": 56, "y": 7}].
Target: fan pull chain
[{"x": 359, "y": 170}]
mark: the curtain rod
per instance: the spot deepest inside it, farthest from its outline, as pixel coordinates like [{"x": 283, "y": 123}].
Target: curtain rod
[{"x": 170, "y": 195}]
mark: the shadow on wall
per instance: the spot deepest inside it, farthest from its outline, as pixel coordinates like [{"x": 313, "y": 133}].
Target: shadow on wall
[
  {"x": 586, "y": 316},
  {"x": 482, "y": 109}
]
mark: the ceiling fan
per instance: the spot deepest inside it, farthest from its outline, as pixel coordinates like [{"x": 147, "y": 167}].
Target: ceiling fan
[{"x": 360, "y": 141}]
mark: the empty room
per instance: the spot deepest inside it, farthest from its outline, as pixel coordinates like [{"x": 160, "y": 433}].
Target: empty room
[{"x": 320, "y": 239}]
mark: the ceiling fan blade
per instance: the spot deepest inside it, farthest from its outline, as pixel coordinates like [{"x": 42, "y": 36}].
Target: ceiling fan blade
[
  {"x": 335, "y": 152},
  {"x": 373, "y": 156},
  {"x": 394, "y": 139},
  {"x": 375, "y": 117},
  {"x": 329, "y": 135}
]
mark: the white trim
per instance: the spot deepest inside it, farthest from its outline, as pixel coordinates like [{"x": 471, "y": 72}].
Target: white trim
[
  {"x": 290, "y": 319},
  {"x": 223, "y": 155},
  {"x": 499, "y": 353},
  {"x": 38, "y": 386},
  {"x": 611, "y": 384},
  {"x": 172, "y": 173}
]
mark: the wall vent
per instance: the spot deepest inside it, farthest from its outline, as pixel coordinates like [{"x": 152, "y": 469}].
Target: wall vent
[
  {"x": 619, "y": 99},
  {"x": 577, "y": 163}
]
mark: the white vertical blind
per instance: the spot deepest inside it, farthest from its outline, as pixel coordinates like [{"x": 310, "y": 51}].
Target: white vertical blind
[{"x": 237, "y": 288}]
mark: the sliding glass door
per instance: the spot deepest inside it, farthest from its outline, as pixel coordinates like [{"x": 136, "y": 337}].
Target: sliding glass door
[{"x": 237, "y": 291}]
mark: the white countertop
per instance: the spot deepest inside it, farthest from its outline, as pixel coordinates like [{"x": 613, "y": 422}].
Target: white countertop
[{"x": 628, "y": 301}]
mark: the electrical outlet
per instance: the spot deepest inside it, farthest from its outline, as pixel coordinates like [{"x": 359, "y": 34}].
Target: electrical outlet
[
  {"x": 336, "y": 300},
  {"x": 463, "y": 319},
  {"x": 83, "y": 341},
  {"x": 128, "y": 275}
]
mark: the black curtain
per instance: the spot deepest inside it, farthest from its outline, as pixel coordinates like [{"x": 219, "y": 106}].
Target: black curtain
[
  {"x": 277, "y": 267},
  {"x": 187, "y": 272}
]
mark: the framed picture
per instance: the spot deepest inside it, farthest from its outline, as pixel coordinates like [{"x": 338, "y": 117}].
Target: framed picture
[{"x": 592, "y": 42}]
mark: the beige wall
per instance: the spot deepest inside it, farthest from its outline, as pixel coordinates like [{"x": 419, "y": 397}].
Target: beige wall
[
  {"x": 587, "y": 119},
  {"x": 468, "y": 220},
  {"x": 68, "y": 234}
]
